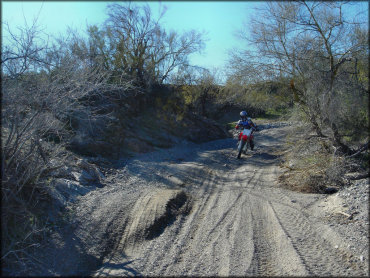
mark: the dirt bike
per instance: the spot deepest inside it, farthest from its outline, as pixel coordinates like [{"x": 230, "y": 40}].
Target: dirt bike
[{"x": 245, "y": 138}]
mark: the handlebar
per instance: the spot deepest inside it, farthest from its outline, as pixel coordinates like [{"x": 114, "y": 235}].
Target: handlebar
[{"x": 253, "y": 128}]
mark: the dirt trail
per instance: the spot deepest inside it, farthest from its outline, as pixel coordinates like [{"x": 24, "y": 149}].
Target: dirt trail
[{"x": 199, "y": 211}]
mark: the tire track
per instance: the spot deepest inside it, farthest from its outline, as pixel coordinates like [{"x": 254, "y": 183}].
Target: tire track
[
  {"x": 241, "y": 224},
  {"x": 206, "y": 235},
  {"x": 206, "y": 197},
  {"x": 186, "y": 233},
  {"x": 319, "y": 255}
]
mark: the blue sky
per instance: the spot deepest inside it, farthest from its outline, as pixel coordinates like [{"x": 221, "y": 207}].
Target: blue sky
[{"x": 219, "y": 19}]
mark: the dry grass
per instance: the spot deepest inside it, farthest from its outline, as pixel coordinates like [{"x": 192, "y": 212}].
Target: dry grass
[{"x": 311, "y": 164}]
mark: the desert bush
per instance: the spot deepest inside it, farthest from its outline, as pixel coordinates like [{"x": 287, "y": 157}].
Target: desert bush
[
  {"x": 198, "y": 89},
  {"x": 313, "y": 164},
  {"x": 42, "y": 85},
  {"x": 258, "y": 98}
]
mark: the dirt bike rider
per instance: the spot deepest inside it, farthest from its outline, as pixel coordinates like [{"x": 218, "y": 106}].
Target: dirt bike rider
[{"x": 246, "y": 122}]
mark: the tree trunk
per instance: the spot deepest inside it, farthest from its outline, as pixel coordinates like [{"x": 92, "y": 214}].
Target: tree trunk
[{"x": 337, "y": 139}]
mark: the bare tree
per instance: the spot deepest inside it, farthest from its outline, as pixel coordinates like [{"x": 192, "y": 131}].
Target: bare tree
[
  {"x": 22, "y": 52},
  {"x": 141, "y": 47},
  {"x": 313, "y": 45}
]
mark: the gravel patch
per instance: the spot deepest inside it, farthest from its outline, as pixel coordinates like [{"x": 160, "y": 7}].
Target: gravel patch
[{"x": 347, "y": 214}]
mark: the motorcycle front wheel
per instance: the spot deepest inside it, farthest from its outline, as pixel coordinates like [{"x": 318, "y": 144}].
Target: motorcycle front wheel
[
  {"x": 240, "y": 148},
  {"x": 248, "y": 146}
]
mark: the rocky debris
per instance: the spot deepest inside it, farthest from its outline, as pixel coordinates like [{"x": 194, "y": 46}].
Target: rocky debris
[
  {"x": 70, "y": 181},
  {"x": 63, "y": 191},
  {"x": 354, "y": 197},
  {"x": 90, "y": 173},
  {"x": 347, "y": 213}
]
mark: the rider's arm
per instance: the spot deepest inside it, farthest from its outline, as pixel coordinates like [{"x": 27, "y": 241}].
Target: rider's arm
[{"x": 253, "y": 124}]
